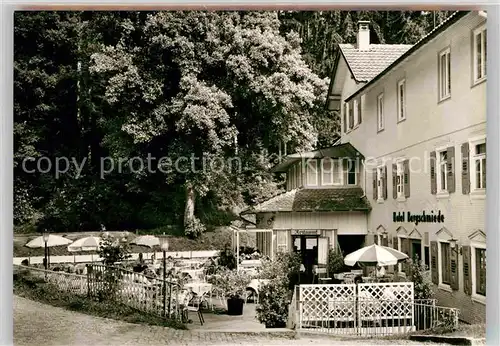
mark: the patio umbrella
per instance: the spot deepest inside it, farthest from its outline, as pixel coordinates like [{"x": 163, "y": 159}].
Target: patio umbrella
[
  {"x": 375, "y": 255},
  {"x": 146, "y": 240},
  {"x": 86, "y": 244},
  {"x": 149, "y": 241},
  {"x": 52, "y": 241}
]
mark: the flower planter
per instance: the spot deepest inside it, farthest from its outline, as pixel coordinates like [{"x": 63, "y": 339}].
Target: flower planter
[{"x": 235, "y": 306}]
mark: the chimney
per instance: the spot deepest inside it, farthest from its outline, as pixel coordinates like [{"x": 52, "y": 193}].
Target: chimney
[{"x": 363, "y": 39}]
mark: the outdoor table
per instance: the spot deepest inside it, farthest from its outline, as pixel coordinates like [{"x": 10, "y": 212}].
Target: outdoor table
[{"x": 199, "y": 287}]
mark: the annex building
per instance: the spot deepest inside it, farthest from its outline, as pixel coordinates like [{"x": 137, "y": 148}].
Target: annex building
[{"x": 410, "y": 168}]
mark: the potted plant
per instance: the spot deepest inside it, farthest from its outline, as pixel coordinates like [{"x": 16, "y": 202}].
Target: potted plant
[
  {"x": 233, "y": 284},
  {"x": 274, "y": 301}
]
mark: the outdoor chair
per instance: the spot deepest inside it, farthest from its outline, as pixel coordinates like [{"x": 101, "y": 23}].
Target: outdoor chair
[{"x": 194, "y": 305}]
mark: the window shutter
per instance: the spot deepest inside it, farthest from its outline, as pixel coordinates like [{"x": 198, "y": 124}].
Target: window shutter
[
  {"x": 375, "y": 184},
  {"x": 454, "y": 269},
  {"x": 359, "y": 111},
  {"x": 466, "y": 256},
  {"x": 433, "y": 173},
  {"x": 406, "y": 177},
  {"x": 465, "y": 169},
  {"x": 351, "y": 115},
  {"x": 375, "y": 239},
  {"x": 345, "y": 117},
  {"x": 395, "y": 243},
  {"x": 405, "y": 248},
  {"x": 384, "y": 181},
  {"x": 450, "y": 166},
  {"x": 434, "y": 262},
  {"x": 394, "y": 181}
]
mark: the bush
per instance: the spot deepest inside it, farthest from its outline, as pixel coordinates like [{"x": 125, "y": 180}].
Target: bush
[
  {"x": 285, "y": 267},
  {"x": 227, "y": 259},
  {"x": 232, "y": 283},
  {"x": 112, "y": 251},
  {"x": 421, "y": 281},
  {"x": 274, "y": 300},
  {"x": 335, "y": 262},
  {"x": 194, "y": 228}
]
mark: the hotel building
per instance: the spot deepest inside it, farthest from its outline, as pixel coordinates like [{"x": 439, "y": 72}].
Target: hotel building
[{"x": 410, "y": 168}]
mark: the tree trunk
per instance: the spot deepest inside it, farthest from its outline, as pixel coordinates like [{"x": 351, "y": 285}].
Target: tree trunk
[{"x": 190, "y": 202}]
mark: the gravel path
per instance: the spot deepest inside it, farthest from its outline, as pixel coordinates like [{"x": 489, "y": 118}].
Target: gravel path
[{"x": 40, "y": 324}]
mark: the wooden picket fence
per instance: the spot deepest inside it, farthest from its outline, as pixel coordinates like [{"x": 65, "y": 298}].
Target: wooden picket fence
[
  {"x": 65, "y": 282},
  {"x": 144, "y": 293},
  {"x": 136, "y": 290}
]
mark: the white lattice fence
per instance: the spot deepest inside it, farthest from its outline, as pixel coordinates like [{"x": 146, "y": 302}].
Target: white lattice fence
[
  {"x": 324, "y": 306},
  {"x": 364, "y": 309}
]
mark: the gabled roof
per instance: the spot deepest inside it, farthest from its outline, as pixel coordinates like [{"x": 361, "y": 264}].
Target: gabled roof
[
  {"x": 421, "y": 43},
  {"x": 324, "y": 200},
  {"x": 345, "y": 150},
  {"x": 365, "y": 65}
]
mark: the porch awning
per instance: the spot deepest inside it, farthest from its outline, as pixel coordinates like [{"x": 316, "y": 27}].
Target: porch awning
[
  {"x": 345, "y": 150},
  {"x": 337, "y": 199}
]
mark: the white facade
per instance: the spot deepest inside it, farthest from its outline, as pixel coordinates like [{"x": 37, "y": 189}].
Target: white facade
[{"x": 431, "y": 103}]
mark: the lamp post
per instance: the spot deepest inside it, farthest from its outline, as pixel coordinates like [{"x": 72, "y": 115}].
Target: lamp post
[
  {"x": 45, "y": 240},
  {"x": 164, "y": 249}
]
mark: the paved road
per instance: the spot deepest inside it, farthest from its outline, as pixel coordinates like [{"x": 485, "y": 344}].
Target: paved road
[{"x": 40, "y": 324}]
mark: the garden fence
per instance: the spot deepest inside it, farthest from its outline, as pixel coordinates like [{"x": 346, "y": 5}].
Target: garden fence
[
  {"x": 136, "y": 290},
  {"x": 65, "y": 282},
  {"x": 368, "y": 309},
  {"x": 148, "y": 294}
]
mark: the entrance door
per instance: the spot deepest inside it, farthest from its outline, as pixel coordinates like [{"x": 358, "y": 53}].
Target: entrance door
[
  {"x": 416, "y": 250},
  {"x": 307, "y": 246}
]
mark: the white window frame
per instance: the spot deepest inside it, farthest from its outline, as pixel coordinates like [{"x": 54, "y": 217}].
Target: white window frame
[
  {"x": 481, "y": 31},
  {"x": 444, "y": 86},
  {"x": 442, "y": 285},
  {"x": 355, "y": 113},
  {"x": 472, "y": 159},
  {"x": 380, "y": 112},
  {"x": 310, "y": 170},
  {"x": 380, "y": 190},
  {"x": 473, "y": 246},
  {"x": 400, "y": 174},
  {"x": 356, "y": 172},
  {"x": 323, "y": 181},
  {"x": 439, "y": 169},
  {"x": 401, "y": 107}
]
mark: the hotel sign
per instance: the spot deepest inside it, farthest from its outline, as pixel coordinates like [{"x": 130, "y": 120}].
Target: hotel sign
[
  {"x": 401, "y": 216},
  {"x": 306, "y": 232}
]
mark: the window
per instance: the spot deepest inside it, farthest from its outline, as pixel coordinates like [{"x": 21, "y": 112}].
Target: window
[
  {"x": 442, "y": 171},
  {"x": 380, "y": 112},
  {"x": 312, "y": 172},
  {"x": 351, "y": 172},
  {"x": 400, "y": 173},
  {"x": 445, "y": 263},
  {"x": 327, "y": 170},
  {"x": 480, "y": 271},
  {"x": 479, "y": 166},
  {"x": 380, "y": 183},
  {"x": 331, "y": 172},
  {"x": 356, "y": 115},
  {"x": 402, "y": 100},
  {"x": 444, "y": 76},
  {"x": 479, "y": 54}
]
